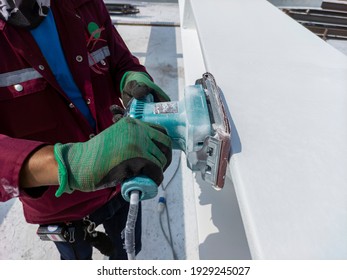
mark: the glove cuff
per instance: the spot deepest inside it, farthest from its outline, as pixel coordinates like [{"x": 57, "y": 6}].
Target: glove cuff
[
  {"x": 142, "y": 77},
  {"x": 124, "y": 80},
  {"x": 59, "y": 151}
]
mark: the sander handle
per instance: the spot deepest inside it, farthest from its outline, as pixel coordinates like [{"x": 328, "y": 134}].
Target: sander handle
[
  {"x": 134, "y": 190},
  {"x": 146, "y": 187},
  {"x": 143, "y": 184}
]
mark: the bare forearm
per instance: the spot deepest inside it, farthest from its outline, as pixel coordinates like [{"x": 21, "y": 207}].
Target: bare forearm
[{"x": 40, "y": 169}]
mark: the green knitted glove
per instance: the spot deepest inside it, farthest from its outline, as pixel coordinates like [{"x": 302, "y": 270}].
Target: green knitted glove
[
  {"x": 138, "y": 85},
  {"x": 128, "y": 148}
]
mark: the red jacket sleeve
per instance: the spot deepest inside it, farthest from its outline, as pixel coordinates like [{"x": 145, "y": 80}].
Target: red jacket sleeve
[{"x": 13, "y": 153}]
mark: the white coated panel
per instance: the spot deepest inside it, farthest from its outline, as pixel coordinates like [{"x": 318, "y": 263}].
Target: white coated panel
[{"x": 286, "y": 90}]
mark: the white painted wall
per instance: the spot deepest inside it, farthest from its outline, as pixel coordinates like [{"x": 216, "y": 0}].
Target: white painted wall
[{"x": 286, "y": 92}]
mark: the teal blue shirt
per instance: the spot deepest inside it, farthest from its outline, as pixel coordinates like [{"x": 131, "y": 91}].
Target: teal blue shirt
[{"x": 46, "y": 36}]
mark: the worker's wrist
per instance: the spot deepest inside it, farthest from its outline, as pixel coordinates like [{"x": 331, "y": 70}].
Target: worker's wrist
[{"x": 39, "y": 169}]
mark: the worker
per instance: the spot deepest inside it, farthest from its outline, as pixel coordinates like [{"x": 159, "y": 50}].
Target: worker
[{"x": 63, "y": 153}]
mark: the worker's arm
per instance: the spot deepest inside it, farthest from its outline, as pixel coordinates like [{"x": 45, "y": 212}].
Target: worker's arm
[
  {"x": 39, "y": 169},
  {"x": 125, "y": 150}
]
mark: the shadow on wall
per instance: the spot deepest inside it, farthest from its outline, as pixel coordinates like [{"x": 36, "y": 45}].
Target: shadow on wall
[{"x": 230, "y": 242}]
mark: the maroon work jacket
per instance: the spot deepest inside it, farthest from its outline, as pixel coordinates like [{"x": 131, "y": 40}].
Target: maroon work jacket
[{"x": 34, "y": 110}]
